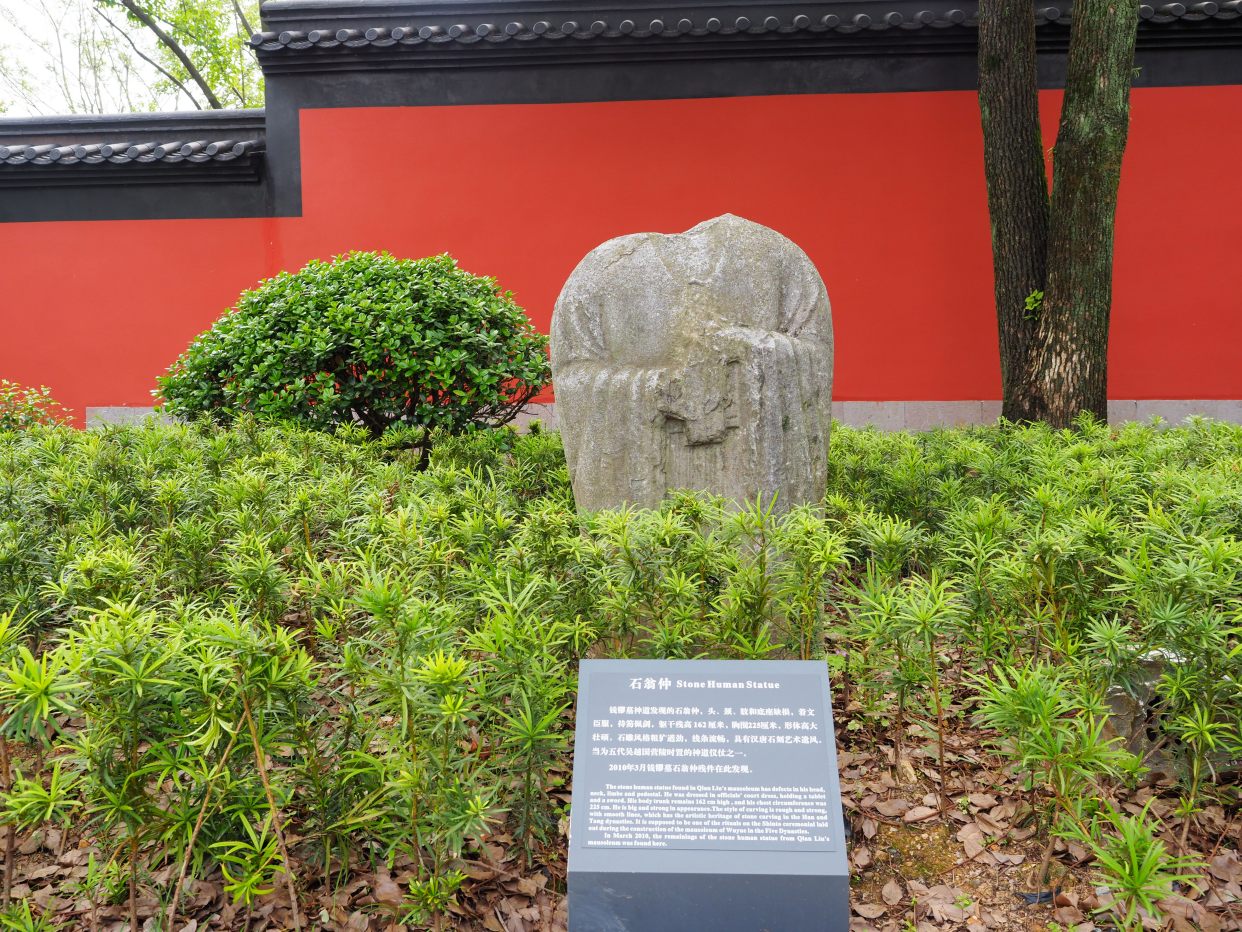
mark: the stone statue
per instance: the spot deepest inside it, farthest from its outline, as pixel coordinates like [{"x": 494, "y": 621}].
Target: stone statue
[{"x": 701, "y": 360}]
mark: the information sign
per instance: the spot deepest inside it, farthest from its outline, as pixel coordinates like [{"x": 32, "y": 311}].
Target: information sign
[{"x": 705, "y": 796}]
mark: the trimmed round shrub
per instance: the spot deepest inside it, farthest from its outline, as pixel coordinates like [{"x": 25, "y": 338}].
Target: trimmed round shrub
[
  {"x": 366, "y": 338},
  {"x": 22, "y": 407}
]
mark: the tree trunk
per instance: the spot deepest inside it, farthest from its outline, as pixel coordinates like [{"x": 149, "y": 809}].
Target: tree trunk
[
  {"x": 1013, "y": 164},
  {"x": 1069, "y": 357}
]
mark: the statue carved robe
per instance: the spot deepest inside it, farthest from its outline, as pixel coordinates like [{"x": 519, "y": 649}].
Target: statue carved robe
[{"x": 701, "y": 360}]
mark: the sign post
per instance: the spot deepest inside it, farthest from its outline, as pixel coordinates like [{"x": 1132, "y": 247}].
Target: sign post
[{"x": 706, "y": 796}]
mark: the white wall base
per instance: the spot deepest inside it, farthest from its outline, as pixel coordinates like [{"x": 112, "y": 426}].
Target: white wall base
[
  {"x": 925, "y": 415},
  {"x": 120, "y": 415},
  {"x": 884, "y": 415}
]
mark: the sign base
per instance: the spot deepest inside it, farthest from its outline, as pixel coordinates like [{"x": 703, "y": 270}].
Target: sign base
[{"x": 671, "y": 902}]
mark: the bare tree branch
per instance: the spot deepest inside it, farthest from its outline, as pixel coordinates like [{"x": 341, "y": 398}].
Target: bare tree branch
[
  {"x": 175, "y": 47},
  {"x": 61, "y": 72},
  {"x": 242, "y": 17},
  {"x": 148, "y": 59}
]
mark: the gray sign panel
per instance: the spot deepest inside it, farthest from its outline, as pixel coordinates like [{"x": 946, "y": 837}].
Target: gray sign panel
[{"x": 705, "y": 796}]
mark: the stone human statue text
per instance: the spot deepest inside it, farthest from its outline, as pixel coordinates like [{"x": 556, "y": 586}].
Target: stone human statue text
[{"x": 701, "y": 360}]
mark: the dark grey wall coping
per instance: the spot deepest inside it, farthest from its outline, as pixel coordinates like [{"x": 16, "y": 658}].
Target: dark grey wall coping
[
  {"x": 327, "y": 34},
  {"x": 207, "y": 147},
  {"x": 85, "y": 128}
]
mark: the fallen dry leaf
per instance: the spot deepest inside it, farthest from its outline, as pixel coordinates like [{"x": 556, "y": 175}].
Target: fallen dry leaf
[
  {"x": 893, "y": 807},
  {"x": 529, "y": 886},
  {"x": 385, "y": 889},
  {"x": 870, "y": 910},
  {"x": 892, "y": 892},
  {"x": 1068, "y": 915},
  {"x": 1226, "y": 867}
]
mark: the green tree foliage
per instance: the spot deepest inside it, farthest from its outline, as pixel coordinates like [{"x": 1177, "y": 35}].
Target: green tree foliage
[
  {"x": 201, "y": 47},
  {"x": 366, "y": 338},
  {"x": 109, "y": 56}
]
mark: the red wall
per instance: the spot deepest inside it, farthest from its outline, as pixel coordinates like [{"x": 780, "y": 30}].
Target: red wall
[{"x": 884, "y": 191}]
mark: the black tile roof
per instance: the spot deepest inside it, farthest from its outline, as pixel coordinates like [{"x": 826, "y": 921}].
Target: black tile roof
[
  {"x": 132, "y": 139},
  {"x": 199, "y": 150},
  {"x": 333, "y": 24}
]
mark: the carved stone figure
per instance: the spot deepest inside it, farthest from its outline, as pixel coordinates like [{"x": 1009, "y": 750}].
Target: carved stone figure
[{"x": 701, "y": 360}]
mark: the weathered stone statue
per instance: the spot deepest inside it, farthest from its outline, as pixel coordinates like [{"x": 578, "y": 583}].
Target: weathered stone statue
[{"x": 701, "y": 360}]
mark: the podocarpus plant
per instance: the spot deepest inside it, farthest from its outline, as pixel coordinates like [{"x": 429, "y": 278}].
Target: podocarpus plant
[
  {"x": 365, "y": 338},
  {"x": 124, "y": 663},
  {"x": 11, "y": 630},
  {"x": 405, "y": 638},
  {"x": 927, "y": 614},
  {"x": 1056, "y": 739},
  {"x": 1135, "y": 866},
  {"x": 32, "y": 691}
]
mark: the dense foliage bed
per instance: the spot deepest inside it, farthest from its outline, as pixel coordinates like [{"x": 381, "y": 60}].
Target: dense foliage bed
[{"x": 224, "y": 651}]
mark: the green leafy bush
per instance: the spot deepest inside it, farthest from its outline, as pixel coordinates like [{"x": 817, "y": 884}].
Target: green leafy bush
[
  {"x": 22, "y": 407},
  {"x": 365, "y": 338},
  {"x": 236, "y": 651}
]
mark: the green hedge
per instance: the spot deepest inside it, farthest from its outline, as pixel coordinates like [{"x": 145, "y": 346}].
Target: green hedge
[{"x": 366, "y": 338}]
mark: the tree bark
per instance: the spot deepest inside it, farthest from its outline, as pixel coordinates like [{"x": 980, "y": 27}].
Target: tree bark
[
  {"x": 1069, "y": 354},
  {"x": 1017, "y": 182}
]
